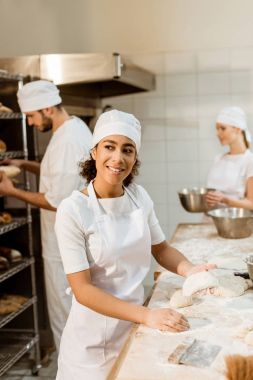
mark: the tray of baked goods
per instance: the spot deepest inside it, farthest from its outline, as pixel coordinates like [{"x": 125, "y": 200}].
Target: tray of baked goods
[
  {"x": 13, "y": 345},
  {"x": 11, "y": 305},
  {"x": 9, "y": 222},
  {"x": 11, "y": 262},
  {"x": 5, "y": 155},
  {"x": 7, "y": 113},
  {"x": 9, "y": 154}
]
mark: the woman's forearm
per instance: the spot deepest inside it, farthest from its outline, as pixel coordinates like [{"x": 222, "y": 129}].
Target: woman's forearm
[
  {"x": 106, "y": 304},
  {"x": 171, "y": 259},
  {"x": 243, "y": 203}
]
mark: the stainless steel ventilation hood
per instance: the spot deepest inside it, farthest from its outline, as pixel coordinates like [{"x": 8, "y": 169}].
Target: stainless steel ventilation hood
[{"x": 84, "y": 78}]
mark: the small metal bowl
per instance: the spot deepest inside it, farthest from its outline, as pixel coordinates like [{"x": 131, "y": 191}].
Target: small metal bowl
[
  {"x": 249, "y": 262},
  {"x": 232, "y": 222},
  {"x": 193, "y": 199}
]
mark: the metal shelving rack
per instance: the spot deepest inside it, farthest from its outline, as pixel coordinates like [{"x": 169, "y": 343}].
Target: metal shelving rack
[{"x": 14, "y": 343}]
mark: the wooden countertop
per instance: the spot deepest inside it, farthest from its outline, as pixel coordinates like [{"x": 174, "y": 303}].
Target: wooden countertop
[{"x": 216, "y": 320}]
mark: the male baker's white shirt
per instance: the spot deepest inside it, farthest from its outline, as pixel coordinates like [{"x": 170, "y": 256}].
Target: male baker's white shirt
[{"x": 59, "y": 175}]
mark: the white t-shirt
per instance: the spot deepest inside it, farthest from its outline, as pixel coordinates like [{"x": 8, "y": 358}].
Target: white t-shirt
[
  {"x": 59, "y": 174},
  {"x": 75, "y": 231},
  {"x": 230, "y": 172}
]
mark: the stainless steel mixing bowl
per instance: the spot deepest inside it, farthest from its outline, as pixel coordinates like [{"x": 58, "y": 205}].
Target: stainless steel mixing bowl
[
  {"x": 232, "y": 223},
  {"x": 193, "y": 199}
]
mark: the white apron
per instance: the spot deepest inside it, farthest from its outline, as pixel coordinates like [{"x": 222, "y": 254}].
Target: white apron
[{"x": 91, "y": 341}]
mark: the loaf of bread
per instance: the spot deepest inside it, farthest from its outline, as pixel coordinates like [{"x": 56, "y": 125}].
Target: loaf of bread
[
  {"x": 4, "y": 108},
  {"x": 15, "y": 298},
  {"x": 3, "y": 146},
  {"x": 12, "y": 255},
  {"x": 4, "y": 263},
  {"x": 10, "y": 170},
  {"x": 10, "y": 303},
  {"x": 5, "y": 218}
]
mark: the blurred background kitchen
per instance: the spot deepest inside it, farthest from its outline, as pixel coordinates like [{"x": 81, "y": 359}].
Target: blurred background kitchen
[{"x": 201, "y": 52}]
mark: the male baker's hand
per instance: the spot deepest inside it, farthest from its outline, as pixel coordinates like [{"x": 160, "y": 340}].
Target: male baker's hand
[
  {"x": 6, "y": 185},
  {"x": 166, "y": 320}
]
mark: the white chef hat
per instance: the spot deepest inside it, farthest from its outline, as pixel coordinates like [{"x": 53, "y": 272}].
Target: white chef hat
[
  {"x": 37, "y": 95},
  {"x": 117, "y": 123},
  {"x": 235, "y": 117}
]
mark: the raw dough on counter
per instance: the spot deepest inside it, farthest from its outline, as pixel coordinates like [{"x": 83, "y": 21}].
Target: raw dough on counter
[
  {"x": 10, "y": 170},
  {"x": 243, "y": 329},
  {"x": 179, "y": 300},
  {"x": 235, "y": 263},
  {"x": 224, "y": 286},
  {"x": 249, "y": 338},
  {"x": 199, "y": 281}
]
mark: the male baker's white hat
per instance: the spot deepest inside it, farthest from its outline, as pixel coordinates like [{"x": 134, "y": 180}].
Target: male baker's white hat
[
  {"x": 235, "y": 117},
  {"x": 117, "y": 123},
  {"x": 37, "y": 95}
]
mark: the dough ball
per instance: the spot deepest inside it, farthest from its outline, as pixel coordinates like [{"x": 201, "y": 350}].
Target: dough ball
[
  {"x": 199, "y": 281},
  {"x": 224, "y": 286},
  {"x": 230, "y": 286},
  {"x": 179, "y": 300},
  {"x": 249, "y": 338},
  {"x": 243, "y": 330},
  {"x": 10, "y": 170}
]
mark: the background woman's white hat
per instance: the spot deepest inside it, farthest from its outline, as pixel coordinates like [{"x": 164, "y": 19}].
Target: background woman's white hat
[
  {"x": 117, "y": 123},
  {"x": 235, "y": 117},
  {"x": 37, "y": 95}
]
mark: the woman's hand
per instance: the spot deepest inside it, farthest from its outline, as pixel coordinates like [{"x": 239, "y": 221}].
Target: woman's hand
[
  {"x": 166, "y": 320},
  {"x": 214, "y": 197},
  {"x": 200, "y": 268}
]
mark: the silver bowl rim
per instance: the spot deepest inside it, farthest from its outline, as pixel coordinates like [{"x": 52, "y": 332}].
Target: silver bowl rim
[
  {"x": 194, "y": 190},
  {"x": 209, "y": 213}
]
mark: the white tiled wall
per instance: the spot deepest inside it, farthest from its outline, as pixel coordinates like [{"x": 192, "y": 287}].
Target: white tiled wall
[{"x": 178, "y": 118}]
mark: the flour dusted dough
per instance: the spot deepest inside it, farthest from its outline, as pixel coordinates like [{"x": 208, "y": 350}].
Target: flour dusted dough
[
  {"x": 249, "y": 338},
  {"x": 224, "y": 286},
  {"x": 229, "y": 263},
  {"x": 199, "y": 281},
  {"x": 245, "y": 332},
  {"x": 230, "y": 286},
  {"x": 179, "y": 300},
  {"x": 10, "y": 170}
]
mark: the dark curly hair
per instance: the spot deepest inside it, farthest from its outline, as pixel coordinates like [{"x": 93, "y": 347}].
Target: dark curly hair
[{"x": 89, "y": 171}]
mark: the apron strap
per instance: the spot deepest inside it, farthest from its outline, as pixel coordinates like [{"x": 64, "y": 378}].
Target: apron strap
[
  {"x": 98, "y": 209},
  {"x": 93, "y": 201}
]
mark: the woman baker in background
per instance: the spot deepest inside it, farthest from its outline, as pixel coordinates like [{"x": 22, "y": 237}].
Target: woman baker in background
[
  {"x": 232, "y": 173},
  {"x": 106, "y": 234}
]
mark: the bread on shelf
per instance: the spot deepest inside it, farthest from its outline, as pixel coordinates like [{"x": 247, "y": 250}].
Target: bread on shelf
[
  {"x": 5, "y": 218},
  {"x": 4, "y": 263},
  {"x": 10, "y": 303},
  {"x": 10, "y": 254},
  {"x": 3, "y": 146},
  {"x": 5, "y": 109}
]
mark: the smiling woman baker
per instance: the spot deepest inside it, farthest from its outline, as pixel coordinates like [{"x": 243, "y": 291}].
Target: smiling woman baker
[{"x": 107, "y": 233}]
